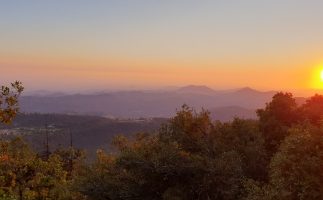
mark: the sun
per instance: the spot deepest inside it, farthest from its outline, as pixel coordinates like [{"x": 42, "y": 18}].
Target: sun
[{"x": 316, "y": 77}]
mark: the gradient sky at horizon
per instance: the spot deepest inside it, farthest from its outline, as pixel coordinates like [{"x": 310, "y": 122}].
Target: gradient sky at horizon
[{"x": 92, "y": 45}]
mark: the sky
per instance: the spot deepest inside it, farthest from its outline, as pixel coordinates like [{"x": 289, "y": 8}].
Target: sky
[{"x": 80, "y": 45}]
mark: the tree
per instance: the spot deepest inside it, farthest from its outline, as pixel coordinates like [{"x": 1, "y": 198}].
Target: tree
[
  {"x": 182, "y": 161},
  {"x": 17, "y": 167},
  {"x": 72, "y": 160},
  {"x": 296, "y": 170},
  {"x": 312, "y": 110},
  {"x": 276, "y": 118},
  {"x": 244, "y": 137},
  {"x": 24, "y": 175},
  {"x": 50, "y": 180},
  {"x": 9, "y": 101}
]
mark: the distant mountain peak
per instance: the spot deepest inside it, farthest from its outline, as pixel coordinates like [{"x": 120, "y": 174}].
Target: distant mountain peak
[
  {"x": 196, "y": 89},
  {"x": 247, "y": 89}
]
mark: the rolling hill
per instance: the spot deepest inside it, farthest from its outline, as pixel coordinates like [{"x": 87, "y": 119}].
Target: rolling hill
[{"x": 158, "y": 103}]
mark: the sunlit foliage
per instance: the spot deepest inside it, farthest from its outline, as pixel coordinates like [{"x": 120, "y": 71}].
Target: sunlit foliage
[{"x": 9, "y": 101}]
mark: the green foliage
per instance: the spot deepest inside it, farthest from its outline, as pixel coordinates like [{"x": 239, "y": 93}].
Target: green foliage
[
  {"x": 9, "y": 101},
  {"x": 296, "y": 171},
  {"x": 276, "y": 118},
  {"x": 24, "y": 175},
  {"x": 280, "y": 156},
  {"x": 72, "y": 159},
  {"x": 244, "y": 137},
  {"x": 193, "y": 158},
  {"x": 189, "y": 158}
]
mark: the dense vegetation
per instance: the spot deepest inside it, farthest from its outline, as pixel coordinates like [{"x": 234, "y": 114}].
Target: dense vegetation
[
  {"x": 278, "y": 156},
  {"x": 9, "y": 101}
]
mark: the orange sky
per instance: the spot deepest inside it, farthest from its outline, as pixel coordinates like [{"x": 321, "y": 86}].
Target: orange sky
[
  {"x": 75, "y": 46},
  {"x": 74, "y": 75}
]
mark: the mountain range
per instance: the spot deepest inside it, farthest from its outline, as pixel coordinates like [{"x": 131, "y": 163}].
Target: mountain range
[{"x": 223, "y": 104}]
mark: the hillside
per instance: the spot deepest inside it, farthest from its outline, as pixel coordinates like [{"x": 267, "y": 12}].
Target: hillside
[
  {"x": 135, "y": 104},
  {"x": 88, "y": 132},
  {"x": 230, "y": 112}
]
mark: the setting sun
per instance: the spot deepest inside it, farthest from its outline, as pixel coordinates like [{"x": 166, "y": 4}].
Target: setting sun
[{"x": 321, "y": 75}]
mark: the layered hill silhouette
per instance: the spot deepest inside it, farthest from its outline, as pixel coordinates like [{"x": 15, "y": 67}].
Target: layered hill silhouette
[{"x": 224, "y": 104}]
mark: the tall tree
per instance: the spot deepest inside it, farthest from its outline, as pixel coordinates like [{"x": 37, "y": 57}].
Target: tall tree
[
  {"x": 312, "y": 110},
  {"x": 9, "y": 101},
  {"x": 276, "y": 118},
  {"x": 296, "y": 170}
]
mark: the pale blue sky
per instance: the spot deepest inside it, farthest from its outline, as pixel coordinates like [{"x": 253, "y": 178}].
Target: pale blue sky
[{"x": 132, "y": 40}]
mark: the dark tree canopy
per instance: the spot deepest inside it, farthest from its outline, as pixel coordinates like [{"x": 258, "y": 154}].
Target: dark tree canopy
[
  {"x": 296, "y": 170},
  {"x": 313, "y": 109},
  {"x": 276, "y": 118},
  {"x": 282, "y": 108},
  {"x": 189, "y": 158}
]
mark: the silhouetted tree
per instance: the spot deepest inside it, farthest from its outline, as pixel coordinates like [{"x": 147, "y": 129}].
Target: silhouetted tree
[
  {"x": 276, "y": 118},
  {"x": 312, "y": 110}
]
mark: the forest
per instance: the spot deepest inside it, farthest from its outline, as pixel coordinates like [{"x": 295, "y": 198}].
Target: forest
[{"x": 190, "y": 157}]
